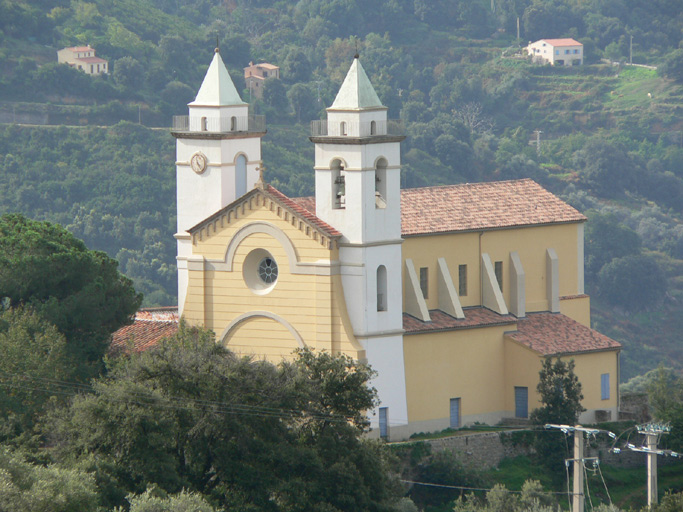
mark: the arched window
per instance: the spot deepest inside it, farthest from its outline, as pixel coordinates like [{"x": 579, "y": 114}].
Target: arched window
[
  {"x": 203, "y": 124},
  {"x": 338, "y": 185},
  {"x": 240, "y": 176},
  {"x": 381, "y": 288},
  {"x": 342, "y": 128},
  {"x": 373, "y": 127},
  {"x": 233, "y": 123},
  {"x": 381, "y": 183}
]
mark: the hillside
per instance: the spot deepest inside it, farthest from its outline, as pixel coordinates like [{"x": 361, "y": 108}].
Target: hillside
[{"x": 611, "y": 140}]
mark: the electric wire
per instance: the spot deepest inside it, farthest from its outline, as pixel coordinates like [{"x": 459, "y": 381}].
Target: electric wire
[
  {"x": 465, "y": 488},
  {"x": 609, "y": 497},
  {"x": 66, "y": 388}
]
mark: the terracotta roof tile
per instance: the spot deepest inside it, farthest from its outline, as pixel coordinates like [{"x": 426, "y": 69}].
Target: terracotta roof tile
[
  {"x": 293, "y": 206},
  {"x": 475, "y": 206},
  {"x": 474, "y": 317},
  {"x": 556, "y": 334},
  {"x": 149, "y": 328},
  {"x": 567, "y": 41},
  {"x": 301, "y": 211}
]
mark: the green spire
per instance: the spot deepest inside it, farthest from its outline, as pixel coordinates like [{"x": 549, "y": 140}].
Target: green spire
[
  {"x": 217, "y": 89},
  {"x": 356, "y": 93}
]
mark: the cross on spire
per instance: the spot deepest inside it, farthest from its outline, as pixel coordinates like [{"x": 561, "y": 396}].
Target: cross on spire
[{"x": 261, "y": 168}]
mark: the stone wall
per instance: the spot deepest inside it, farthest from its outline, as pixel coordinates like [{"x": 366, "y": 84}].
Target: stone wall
[{"x": 485, "y": 450}]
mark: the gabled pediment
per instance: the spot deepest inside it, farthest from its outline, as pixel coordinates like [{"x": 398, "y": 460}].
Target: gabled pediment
[{"x": 276, "y": 202}]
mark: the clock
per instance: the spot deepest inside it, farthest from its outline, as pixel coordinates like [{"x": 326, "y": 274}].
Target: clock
[{"x": 198, "y": 162}]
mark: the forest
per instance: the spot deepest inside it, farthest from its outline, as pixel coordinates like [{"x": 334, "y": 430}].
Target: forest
[
  {"x": 606, "y": 137},
  {"x": 191, "y": 427}
]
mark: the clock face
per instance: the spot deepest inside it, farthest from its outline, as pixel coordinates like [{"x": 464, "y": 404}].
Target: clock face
[{"x": 198, "y": 162}]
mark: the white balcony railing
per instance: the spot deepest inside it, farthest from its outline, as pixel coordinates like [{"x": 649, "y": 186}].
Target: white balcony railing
[
  {"x": 219, "y": 124},
  {"x": 323, "y": 128}
]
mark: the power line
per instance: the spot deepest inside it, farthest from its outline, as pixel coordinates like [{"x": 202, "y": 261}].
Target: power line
[
  {"x": 465, "y": 488},
  {"x": 73, "y": 389}
]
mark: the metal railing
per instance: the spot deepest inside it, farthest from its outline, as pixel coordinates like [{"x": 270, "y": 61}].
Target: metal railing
[
  {"x": 323, "y": 128},
  {"x": 251, "y": 123}
]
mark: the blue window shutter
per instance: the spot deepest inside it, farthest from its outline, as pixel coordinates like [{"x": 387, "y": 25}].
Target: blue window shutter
[
  {"x": 604, "y": 386},
  {"x": 521, "y": 402},
  {"x": 384, "y": 422},
  {"x": 455, "y": 413}
]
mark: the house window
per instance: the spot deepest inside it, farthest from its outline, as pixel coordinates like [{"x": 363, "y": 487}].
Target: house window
[
  {"x": 342, "y": 128},
  {"x": 498, "y": 268},
  {"x": 462, "y": 280},
  {"x": 521, "y": 402},
  {"x": 455, "y": 413},
  {"x": 381, "y": 288},
  {"x": 233, "y": 123},
  {"x": 424, "y": 281},
  {"x": 604, "y": 386},
  {"x": 557, "y": 52},
  {"x": 384, "y": 422},
  {"x": 373, "y": 128},
  {"x": 203, "y": 124}
]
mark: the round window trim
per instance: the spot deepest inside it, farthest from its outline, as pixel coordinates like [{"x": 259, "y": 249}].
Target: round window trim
[{"x": 260, "y": 271}]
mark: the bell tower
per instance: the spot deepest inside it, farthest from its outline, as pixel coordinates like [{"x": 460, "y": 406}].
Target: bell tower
[
  {"x": 218, "y": 150},
  {"x": 357, "y": 191}
]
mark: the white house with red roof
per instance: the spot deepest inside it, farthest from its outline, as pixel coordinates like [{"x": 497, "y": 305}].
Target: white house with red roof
[
  {"x": 557, "y": 52},
  {"x": 454, "y": 294},
  {"x": 83, "y": 58}
]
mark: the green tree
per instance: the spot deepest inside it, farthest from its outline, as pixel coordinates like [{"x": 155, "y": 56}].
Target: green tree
[
  {"x": 665, "y": 394},
  {"x": 129, "y": 73},
  {"x": 249, "y": 435},
  {"x": 673, "y": 66},
  {"x": 275, "y": 95},
  {"x": 25, "y": 487},
  {"x": 607, "y": 239},
  {"x": 34, "y": 358},
  {"x": 633, "y": 282},
  {"x": 560, "y": 392},
  {"x": 79, "y": 291},
  {"x": 155, "y": 501},
  {"x": 303, "y": 102}
]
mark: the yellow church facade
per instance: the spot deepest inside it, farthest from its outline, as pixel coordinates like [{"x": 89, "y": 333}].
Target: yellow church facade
[{"x": 453, "y": 294}]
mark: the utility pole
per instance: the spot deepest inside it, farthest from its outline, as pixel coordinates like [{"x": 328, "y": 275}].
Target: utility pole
[
  {"x": 517, "y": 29},
  {"x": 538, "y": 141},
  {"x": 652, "y": 433},
  {"x": 578, "y": 498},
  {"x": 630, "y": 52}
]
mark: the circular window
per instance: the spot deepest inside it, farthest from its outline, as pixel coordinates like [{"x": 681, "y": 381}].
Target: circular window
[
  {"x": 260, "y": 271},
  {"x": 267, "y": 270}
]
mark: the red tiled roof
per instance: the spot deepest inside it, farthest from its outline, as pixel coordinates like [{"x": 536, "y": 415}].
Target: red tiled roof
[
  {"x": 287, "y": 203},
  {"x": 308, "y": 215},
  {"x": 556, "y": 334},
  {"x": 562, "y": 42},
  {"x": 474, "y": 317},
  {"x": 475, "y": 206},
  {"x": 80, "y": 48},
  {"x": 149, "y": 328}
]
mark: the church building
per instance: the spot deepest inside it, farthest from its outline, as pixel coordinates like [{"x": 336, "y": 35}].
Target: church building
[{"x": 453, "y": 294}]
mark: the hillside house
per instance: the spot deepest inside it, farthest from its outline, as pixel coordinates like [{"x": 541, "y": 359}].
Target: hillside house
[
  {"x": 255, "y": 76},
  {"x": 83, "y": 58},
  {"x": 557, "y": 52},
  {"x": 454, "y": 294}
]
